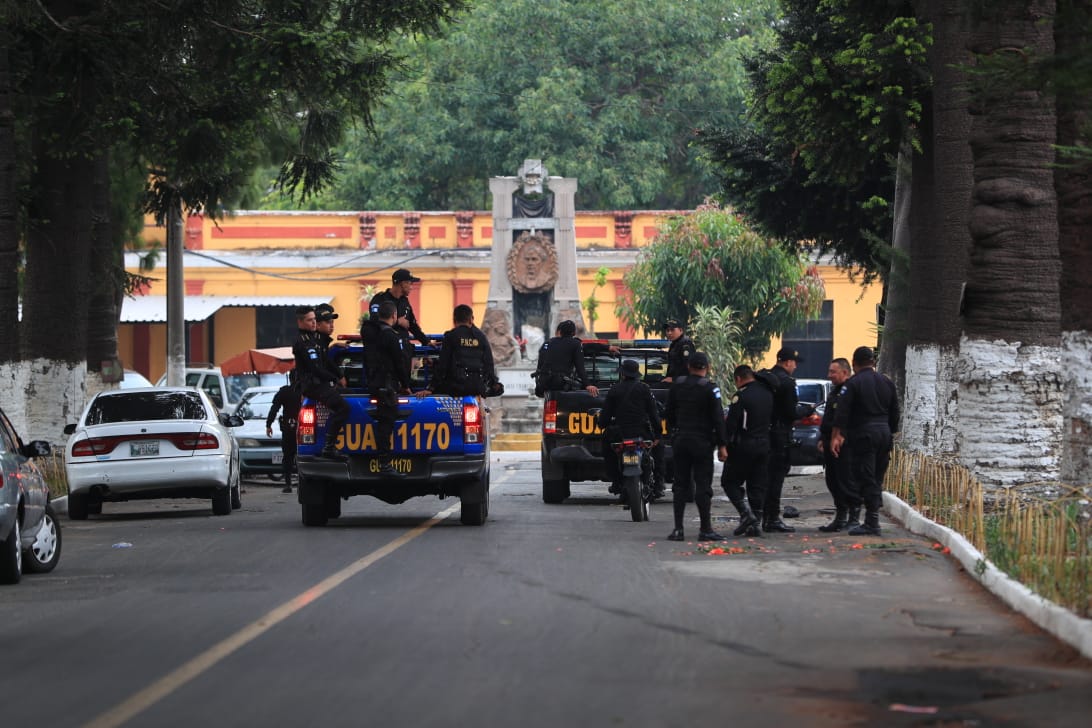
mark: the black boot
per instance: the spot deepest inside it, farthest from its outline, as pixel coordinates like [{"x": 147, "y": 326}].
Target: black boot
[
  {"x": 870, "y": 527},
  {"x": 748, "y": 522},
  {"x": 838, "y": 523},
  {"x": 775, "y": 524},
  {"x": 853, "y": 518},
  {"x": 330, "y": 453}
]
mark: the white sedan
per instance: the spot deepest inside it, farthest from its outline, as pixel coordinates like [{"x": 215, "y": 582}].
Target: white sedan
[{"x": 151, "y": 442}]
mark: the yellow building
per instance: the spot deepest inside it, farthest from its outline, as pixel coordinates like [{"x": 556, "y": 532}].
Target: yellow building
[{"x": 246, "y": 273}]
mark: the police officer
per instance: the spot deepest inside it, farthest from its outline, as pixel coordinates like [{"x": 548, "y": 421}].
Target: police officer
[
  {"x": 748, "y": 426},
  {"x": 387, "y": 373},
  {"x": 317, "y": 378},
  {"x": 466, "y": 365},
  {"x": 866, "y": 420},
  {"x": 561, "y": 362},
  {"x": 695, "y": 418},
  {"x": 784, "y": 414},
  {"x": 679, "y": 352},
  {"x": 836, "y": 470},
  {"x": 630, "y": 412},
  {"x": 401, "y": 284},
  {"x": 287, "y": 399}
]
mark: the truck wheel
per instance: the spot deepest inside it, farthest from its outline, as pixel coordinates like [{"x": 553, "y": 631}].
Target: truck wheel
[
  {"x": 555, "y": 491},
  {"x": 77, "y": 506},
  {"x": 333, "y": 504},
  {"x": 314, "y": 514},
  {"x": 475, "y": 514},
  {"x": 638, "y": 509}
]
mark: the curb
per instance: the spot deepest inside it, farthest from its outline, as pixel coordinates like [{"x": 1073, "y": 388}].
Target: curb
[{"x": 1060, "y": 622}]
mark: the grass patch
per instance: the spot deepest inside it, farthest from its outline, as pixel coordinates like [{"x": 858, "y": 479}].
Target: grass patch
[{"x": 52, "y": 467}]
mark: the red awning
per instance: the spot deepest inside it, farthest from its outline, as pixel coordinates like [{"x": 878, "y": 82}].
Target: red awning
[{"x": 260, "y": 361}]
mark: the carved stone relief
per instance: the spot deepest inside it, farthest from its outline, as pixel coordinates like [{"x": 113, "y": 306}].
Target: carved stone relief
[{"x": 532, "y": 264}]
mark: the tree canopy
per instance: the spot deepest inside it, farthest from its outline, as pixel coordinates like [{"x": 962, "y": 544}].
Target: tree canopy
[
  {"x": 711, "y": 258},
  {"x": 607, "y": 91}
]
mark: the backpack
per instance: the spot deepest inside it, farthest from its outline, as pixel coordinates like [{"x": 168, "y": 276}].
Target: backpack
[{"x": 769, "y": 379}]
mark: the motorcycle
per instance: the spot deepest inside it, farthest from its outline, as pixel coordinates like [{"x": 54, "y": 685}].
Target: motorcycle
[{"x": 635, "y": 464}]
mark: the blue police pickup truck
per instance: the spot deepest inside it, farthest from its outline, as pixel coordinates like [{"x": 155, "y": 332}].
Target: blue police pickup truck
[{"x": 441, "y": 445}]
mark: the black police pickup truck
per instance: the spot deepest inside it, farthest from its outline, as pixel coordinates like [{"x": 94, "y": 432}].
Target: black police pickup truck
[
  {"x": 441, "y": 445},
  {"x": 572, "y": 441}
]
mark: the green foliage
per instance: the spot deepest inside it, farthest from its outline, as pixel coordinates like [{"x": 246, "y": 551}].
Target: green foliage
[
  {"x": 717, "y": 331},
  {"x": 607, "y": 91},
  {"x": 833, "y": 100},
  {"x": 710, "y": 257}
]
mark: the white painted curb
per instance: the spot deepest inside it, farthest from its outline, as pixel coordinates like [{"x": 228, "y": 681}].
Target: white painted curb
[{"x": 1060, "y": 622}]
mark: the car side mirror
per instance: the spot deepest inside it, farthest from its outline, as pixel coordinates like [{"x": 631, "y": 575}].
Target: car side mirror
[
  {"x": 69, "y": 429},
  {"x": 231, "y": 420},
  {"x": 36, "y": 449}
]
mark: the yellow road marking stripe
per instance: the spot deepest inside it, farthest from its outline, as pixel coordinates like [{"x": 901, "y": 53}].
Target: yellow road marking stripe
[{"x": 141, "y": 701}]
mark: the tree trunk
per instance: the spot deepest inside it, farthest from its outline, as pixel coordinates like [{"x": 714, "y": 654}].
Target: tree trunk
[
  {"x": 1011, "y": 392},
  {"x": 9, "y": 230},
  {"x": 1073, "y": 183},
  {"x": 106, "y": 272}
]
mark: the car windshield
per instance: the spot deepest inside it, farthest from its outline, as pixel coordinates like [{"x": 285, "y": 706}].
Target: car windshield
[
  {"x": 145, "y": 406},
  {"x": 255, "y": 406},
  {"x": 239, "y": 383}
]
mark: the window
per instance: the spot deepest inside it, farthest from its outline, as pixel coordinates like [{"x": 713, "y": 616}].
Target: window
[
  {"x": 815, "y": 342},
  {"x": 145, "y": 406}
]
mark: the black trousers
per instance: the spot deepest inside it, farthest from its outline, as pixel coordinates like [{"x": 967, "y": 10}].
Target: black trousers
[
  {"x": 327, "y": 393},
  {"x": 748, "y": 463},
  {"x": 870, "y": 453},
  {"x": 780, "y": 442},
  {"x": 386, "y": 412},
  {"x": 693, "y": 472},
  {"x": 838, "y": 473},
  {"x": 288, "y": 453}
]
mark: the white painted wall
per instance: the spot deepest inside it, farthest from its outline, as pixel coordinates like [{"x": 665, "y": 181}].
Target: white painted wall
[
  {"x": 930, "y": 405},
  {"x": 1077, "y": 413}
]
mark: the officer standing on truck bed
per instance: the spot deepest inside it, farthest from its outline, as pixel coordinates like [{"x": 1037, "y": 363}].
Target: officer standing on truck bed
[
  {"x": 406, "y": 322},
  {"x": 387, "y": 373},
  {"x": 318, "y": 379},
  {"x": 630, "y": 412},
  {"x": 466, "y": 365},
  {"x": 748, "y": 424},
  {"x": 678, "y": 354},
  {"x": 286, "y": 401},
  {"x": 695, "y": 417},
  {"x": 561, "y": 362},
  {"x": 867, "y": 418}
]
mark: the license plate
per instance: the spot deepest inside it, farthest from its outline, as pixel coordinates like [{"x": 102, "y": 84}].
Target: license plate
[
  {"x": 630, "y": 458},
  {"x": 144, "y": 447},
  {"x": 401, "y": 464},
  {"x": 278, "y": 458}
]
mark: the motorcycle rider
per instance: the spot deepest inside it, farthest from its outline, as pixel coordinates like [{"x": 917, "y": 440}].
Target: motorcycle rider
[{"x": 630, "y": 412}]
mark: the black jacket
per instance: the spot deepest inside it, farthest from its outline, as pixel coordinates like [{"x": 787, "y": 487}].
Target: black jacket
[
  {"x": 466, "y": 363},
  {"x": 868, "y": 399},
  {"x": 785, "y": 399},
  {"x": 560, "y": 357},
  {"x": 678, "y": 357},
  {"x": 631, "y": 409},
  {"x": 750, "y": 413},
  {"x": 694, "y": 409},
  {"x": 287, "y": 399},
  {"x": 405, "y": 310},
  {"x": 312, "y": 365},
  {"x": 385, "y": 364}
]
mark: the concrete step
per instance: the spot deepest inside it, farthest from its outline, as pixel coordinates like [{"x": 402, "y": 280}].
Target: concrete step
[{"x": 505, "y": 441}]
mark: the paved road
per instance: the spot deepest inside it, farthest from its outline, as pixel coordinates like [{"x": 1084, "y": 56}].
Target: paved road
[{"x": 547, "y": 616}]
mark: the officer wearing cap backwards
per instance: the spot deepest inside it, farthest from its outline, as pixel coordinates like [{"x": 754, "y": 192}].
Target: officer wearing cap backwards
[
  {"x": 784, "y": 414},
  {"x": 867, "y": 417},
  {"x": 630, "y": 412},
  {"x": 317, "y": 377},
  {"x": 695, "y": 417}
]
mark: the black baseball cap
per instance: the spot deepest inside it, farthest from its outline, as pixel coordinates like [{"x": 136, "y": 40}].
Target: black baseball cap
[
  {"x": 672, "y": 324},
  {"x": 402, "y": 274},
  {"x": 864, "y": 355},
  {"x": 698, "y": 360},
  {"x": 630, "y": 369},
  {"x": 785, "y": 353},
  {"x": 325, "y": 312}
]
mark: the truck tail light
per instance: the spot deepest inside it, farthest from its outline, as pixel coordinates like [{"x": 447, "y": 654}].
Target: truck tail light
[
  {"x": 472, "y": 423},
  {"x": 305, "y": 430},
  {"x": 549, "y": 417}
]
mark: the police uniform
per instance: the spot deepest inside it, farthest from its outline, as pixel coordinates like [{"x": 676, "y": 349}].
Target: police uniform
[
  {"x": 784, "y": 414},
  {"x": 630, "y": 411},
  {"x": 695, "y": 417},
  {"x": 678, "y": 357},
  {"x": 867, "y": 416},
  {"x": 405, "y": 310},
  {"x": 386, "y": 373},
  {"x": 561, "y": 364},
  {"x": 465, "y": 366},
  {"x": 748, "y": 431},
  {"x": 286, "y": 401},
  {"x": 837, "y": 471},
  {"x": 319, "y": 381}
]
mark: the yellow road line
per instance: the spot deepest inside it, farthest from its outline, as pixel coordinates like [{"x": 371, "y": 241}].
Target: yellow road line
[{"x": 125, "y": 711}]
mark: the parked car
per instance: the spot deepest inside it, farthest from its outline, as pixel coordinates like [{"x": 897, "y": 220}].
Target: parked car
[
  {"x": 154, "y": 442},
  {"x": 259, "y": 454},
  {"x": 812, "y": 395},
  {"x": 132, "y": 380},
  {"x": 30, "y": 536},
  {"x": 225, "y": 391}
]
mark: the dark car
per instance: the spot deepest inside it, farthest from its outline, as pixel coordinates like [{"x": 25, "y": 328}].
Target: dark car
[
  {"x": 812, "y": 395},
  {"x": 30, "y": 536}
]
